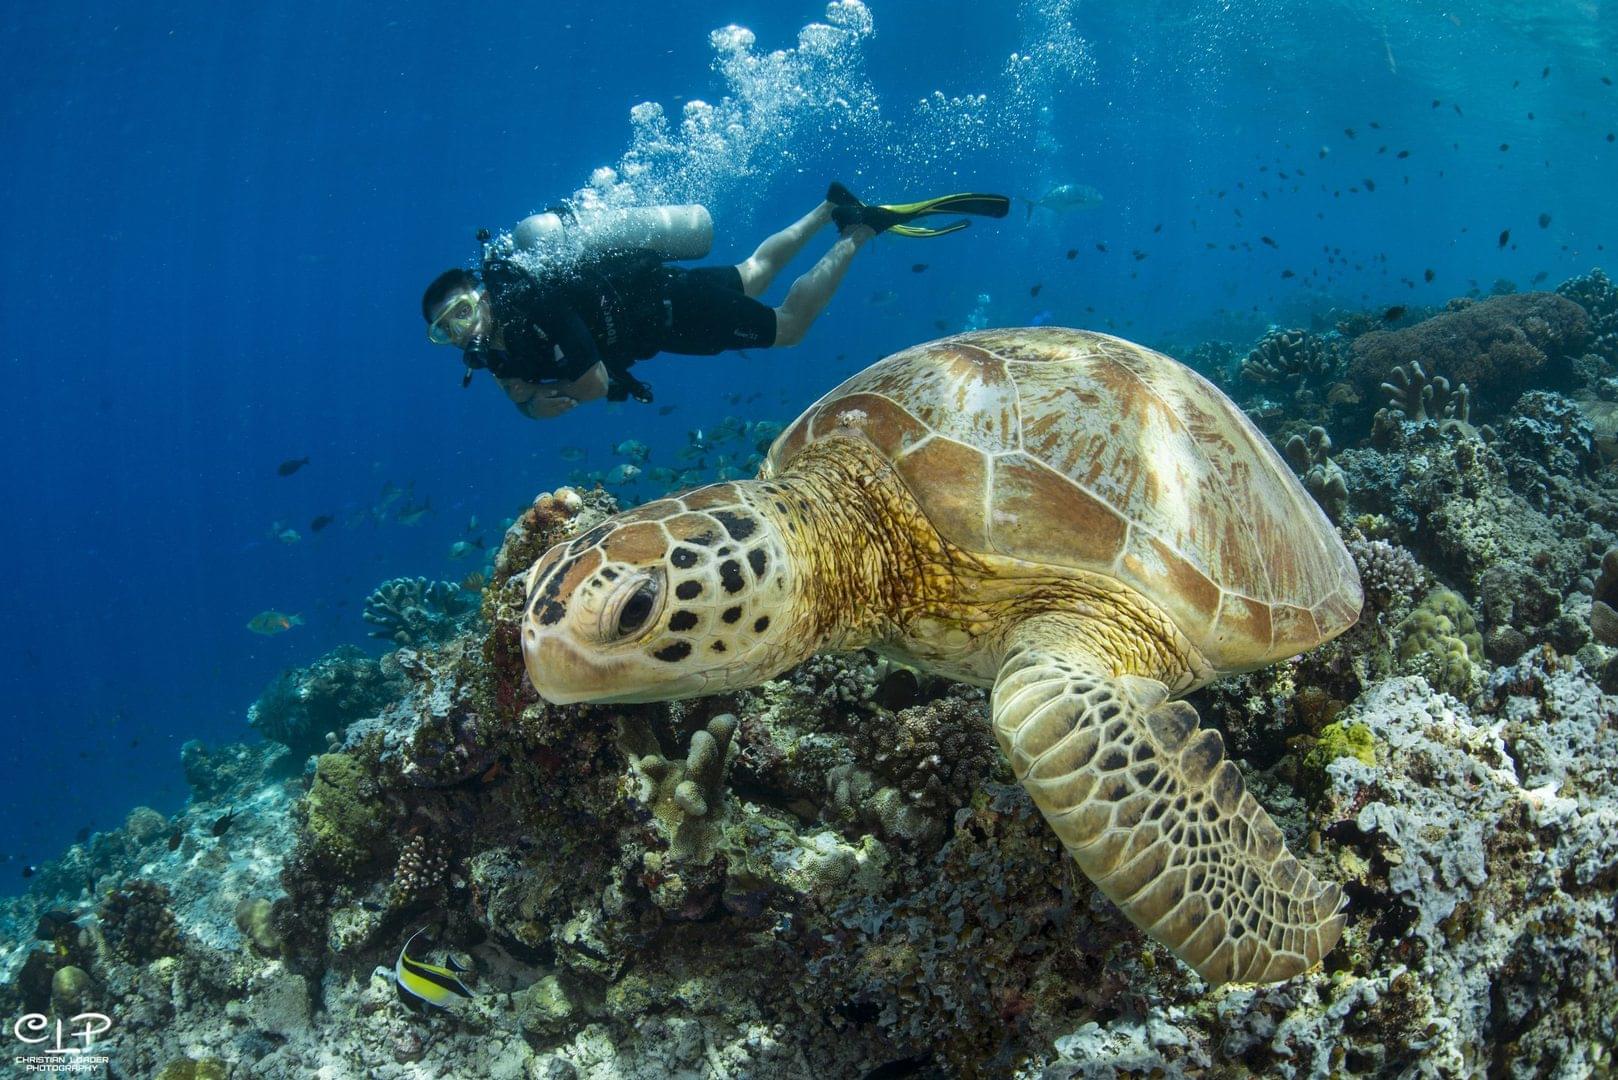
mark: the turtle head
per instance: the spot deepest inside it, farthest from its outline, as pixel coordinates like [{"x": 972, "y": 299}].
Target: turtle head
[{"x": 679, "y": 597}]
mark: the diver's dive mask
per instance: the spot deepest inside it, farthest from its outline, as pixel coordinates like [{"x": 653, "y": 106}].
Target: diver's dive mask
[{"x": 459, "y": 317}]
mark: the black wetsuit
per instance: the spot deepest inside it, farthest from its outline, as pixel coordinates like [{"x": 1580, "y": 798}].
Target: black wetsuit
[{"x": 614, "y": 310}]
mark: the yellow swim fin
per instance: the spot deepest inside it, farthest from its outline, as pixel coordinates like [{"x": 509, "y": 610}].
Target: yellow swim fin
[{"x": 848, "y": 210}]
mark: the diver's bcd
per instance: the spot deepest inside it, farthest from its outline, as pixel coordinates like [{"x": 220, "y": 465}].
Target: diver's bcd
[{"x": 673, "y": 232}]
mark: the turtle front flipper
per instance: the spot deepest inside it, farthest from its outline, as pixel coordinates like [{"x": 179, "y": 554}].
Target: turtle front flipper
[{"x": 1155, "y": 815}]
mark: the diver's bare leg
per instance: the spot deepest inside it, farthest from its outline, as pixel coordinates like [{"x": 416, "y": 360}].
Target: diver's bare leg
[
  {"x": 760, "y": 268},
  {"x": 811, "y": 293}
]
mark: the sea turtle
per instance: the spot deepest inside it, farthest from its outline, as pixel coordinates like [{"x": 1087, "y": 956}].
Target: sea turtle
[{"x": 1082, "y": 523}]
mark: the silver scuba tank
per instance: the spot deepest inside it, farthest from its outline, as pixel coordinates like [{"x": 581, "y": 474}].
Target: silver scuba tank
[{"x": 674, "y": 232}]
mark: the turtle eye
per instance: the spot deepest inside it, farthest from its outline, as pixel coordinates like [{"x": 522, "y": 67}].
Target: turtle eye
[{"x": 635, "y": 610}]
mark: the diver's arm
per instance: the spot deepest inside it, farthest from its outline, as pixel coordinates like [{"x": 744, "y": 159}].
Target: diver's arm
[{"x": 532, "y": 400}]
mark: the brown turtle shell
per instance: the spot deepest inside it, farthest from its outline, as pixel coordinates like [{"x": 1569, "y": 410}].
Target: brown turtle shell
[{"x": 1075, "y": 449}]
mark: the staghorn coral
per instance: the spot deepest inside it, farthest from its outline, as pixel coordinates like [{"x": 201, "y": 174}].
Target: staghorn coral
[
  {"x": 301, "y": 707},
  {"x": 1440, "y": 639},
  {"x": 1310, "y": 455},
  {"x": 1496, "y": 346},
  {"x": 137, "y": 922},
  {"x": 1283, "y": 355},
  {"x": 415, "y": 611},
  {"x": 1596, "y": 294}
]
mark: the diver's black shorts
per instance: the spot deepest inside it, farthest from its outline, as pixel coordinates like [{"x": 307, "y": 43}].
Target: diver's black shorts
[{"x": 705, "y": 312}]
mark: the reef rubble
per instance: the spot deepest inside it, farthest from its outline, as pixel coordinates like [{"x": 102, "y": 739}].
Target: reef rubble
[{"x": 834, "y": 874}]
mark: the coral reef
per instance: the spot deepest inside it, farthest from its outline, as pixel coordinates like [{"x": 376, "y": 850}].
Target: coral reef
[
  {"x": 833, "y": 874},
  {"x": 1495, "y": 347},
  {"x": 1596, "y": 294},
  {"x": 137, "y": 923},
  {"x": 415, "y": 611},
  {"x": 305, "y": 708}
]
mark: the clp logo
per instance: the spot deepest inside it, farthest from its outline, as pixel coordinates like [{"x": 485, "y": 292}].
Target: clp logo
[{"x": 36, "y": 1028}]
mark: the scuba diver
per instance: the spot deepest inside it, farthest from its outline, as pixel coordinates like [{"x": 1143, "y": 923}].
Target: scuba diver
[{"x": 571, "y": 299}]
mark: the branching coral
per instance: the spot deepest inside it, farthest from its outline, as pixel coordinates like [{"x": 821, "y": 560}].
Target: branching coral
[
  {"x": 855, "y": 796},
  {"x": 684, "y": 796},
  {"x": 936, "y": 754},
  {"x": 137, "y": 922},
  {"x": 302, "y": 706},
  {"x": 422, "y": 867},
  {"x": 414, "y": 611},
  {"x": 1389, "y": 573},
  {"x": 1310, "y": 455},
  {"x": 1286, "y": 354},
  {"x": 1414, "y": 396}
]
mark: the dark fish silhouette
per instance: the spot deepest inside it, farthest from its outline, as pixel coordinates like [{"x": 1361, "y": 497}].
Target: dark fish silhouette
[
  {"x": 916, "y": 268},
  {"x": 1287, "y": 274},
  {"x": 1402, "y": 154},
  {"x": 1429, "y": 275},
  {"x": 321, "y": 522},
  {"x": 1033, "y": 290},
  {"x": 1393, "y": 314},
  {"x": 1544, "y": 221},
  {"x": 1268, "y": 242},
  {"x": 1072, "y": 253},
  {"x": 174, "y": 839},
  {"x": 222, "y": 826},
  {"x": 1505, "y": 237},
  {"x": 290, "y": 466}
]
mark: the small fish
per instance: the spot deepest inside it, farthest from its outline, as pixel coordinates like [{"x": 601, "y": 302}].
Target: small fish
[
  {"x": 289, "y": 535},
  {"x": 1504, "y": 147},
  {"x": 320, "y": 522},
  {"x": 1139, "y": 254},
  {"x": 1349, "y": 132},
  {"x": 1158, "y": 227},
  {"x": 1544, "y": 221},
  {"x": 1402, "y": 154},
  {"x": 290, "y": 466},
  {"x": 421, "y": 984},
  {"x": 1267, "y": 241},
  {"x": 664, "y": 410},
  {"x": 571, "y": 453},
  {"x": 222, "y": 826},
  {"x": 1606, "y": 81},
  {"x": 1033, "y": 290},
  {"x": 175, "y": 838},
  {"x": 1393, "y": 314},
  {"x": 82, "y": 835},
  {"x": 1505, "y": 237},
  {"x": 1101, "y": 247},
  {"x": 1072, "y": 253},
  {"x": 633, "y": 449},
  {"x": 883, "y": 297},
  {"x": 272, "y": 622},
  {"x": 475, "y": 581},
  {"x": 30, "y": 870},
  {"x": 1287, "y": 274},
  {"x": 1064, "y": 197},
  {"x": 1428, "y": 275},
  {"x": 1370, "y": 185},
  {"x": 917, "y": 268},
  {"x": 940, "y": 325},
  {"x": 462, "y": 548},
  {"x": 1545, "y": 74},
  {"x": 1539, "y": 277}
]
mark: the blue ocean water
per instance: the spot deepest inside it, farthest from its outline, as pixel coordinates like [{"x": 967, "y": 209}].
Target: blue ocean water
[{"x": 219, "y": 222}]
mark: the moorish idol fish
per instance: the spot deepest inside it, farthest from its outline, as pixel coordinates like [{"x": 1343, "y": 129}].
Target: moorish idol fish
[{"x": 421, "y": 984}]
